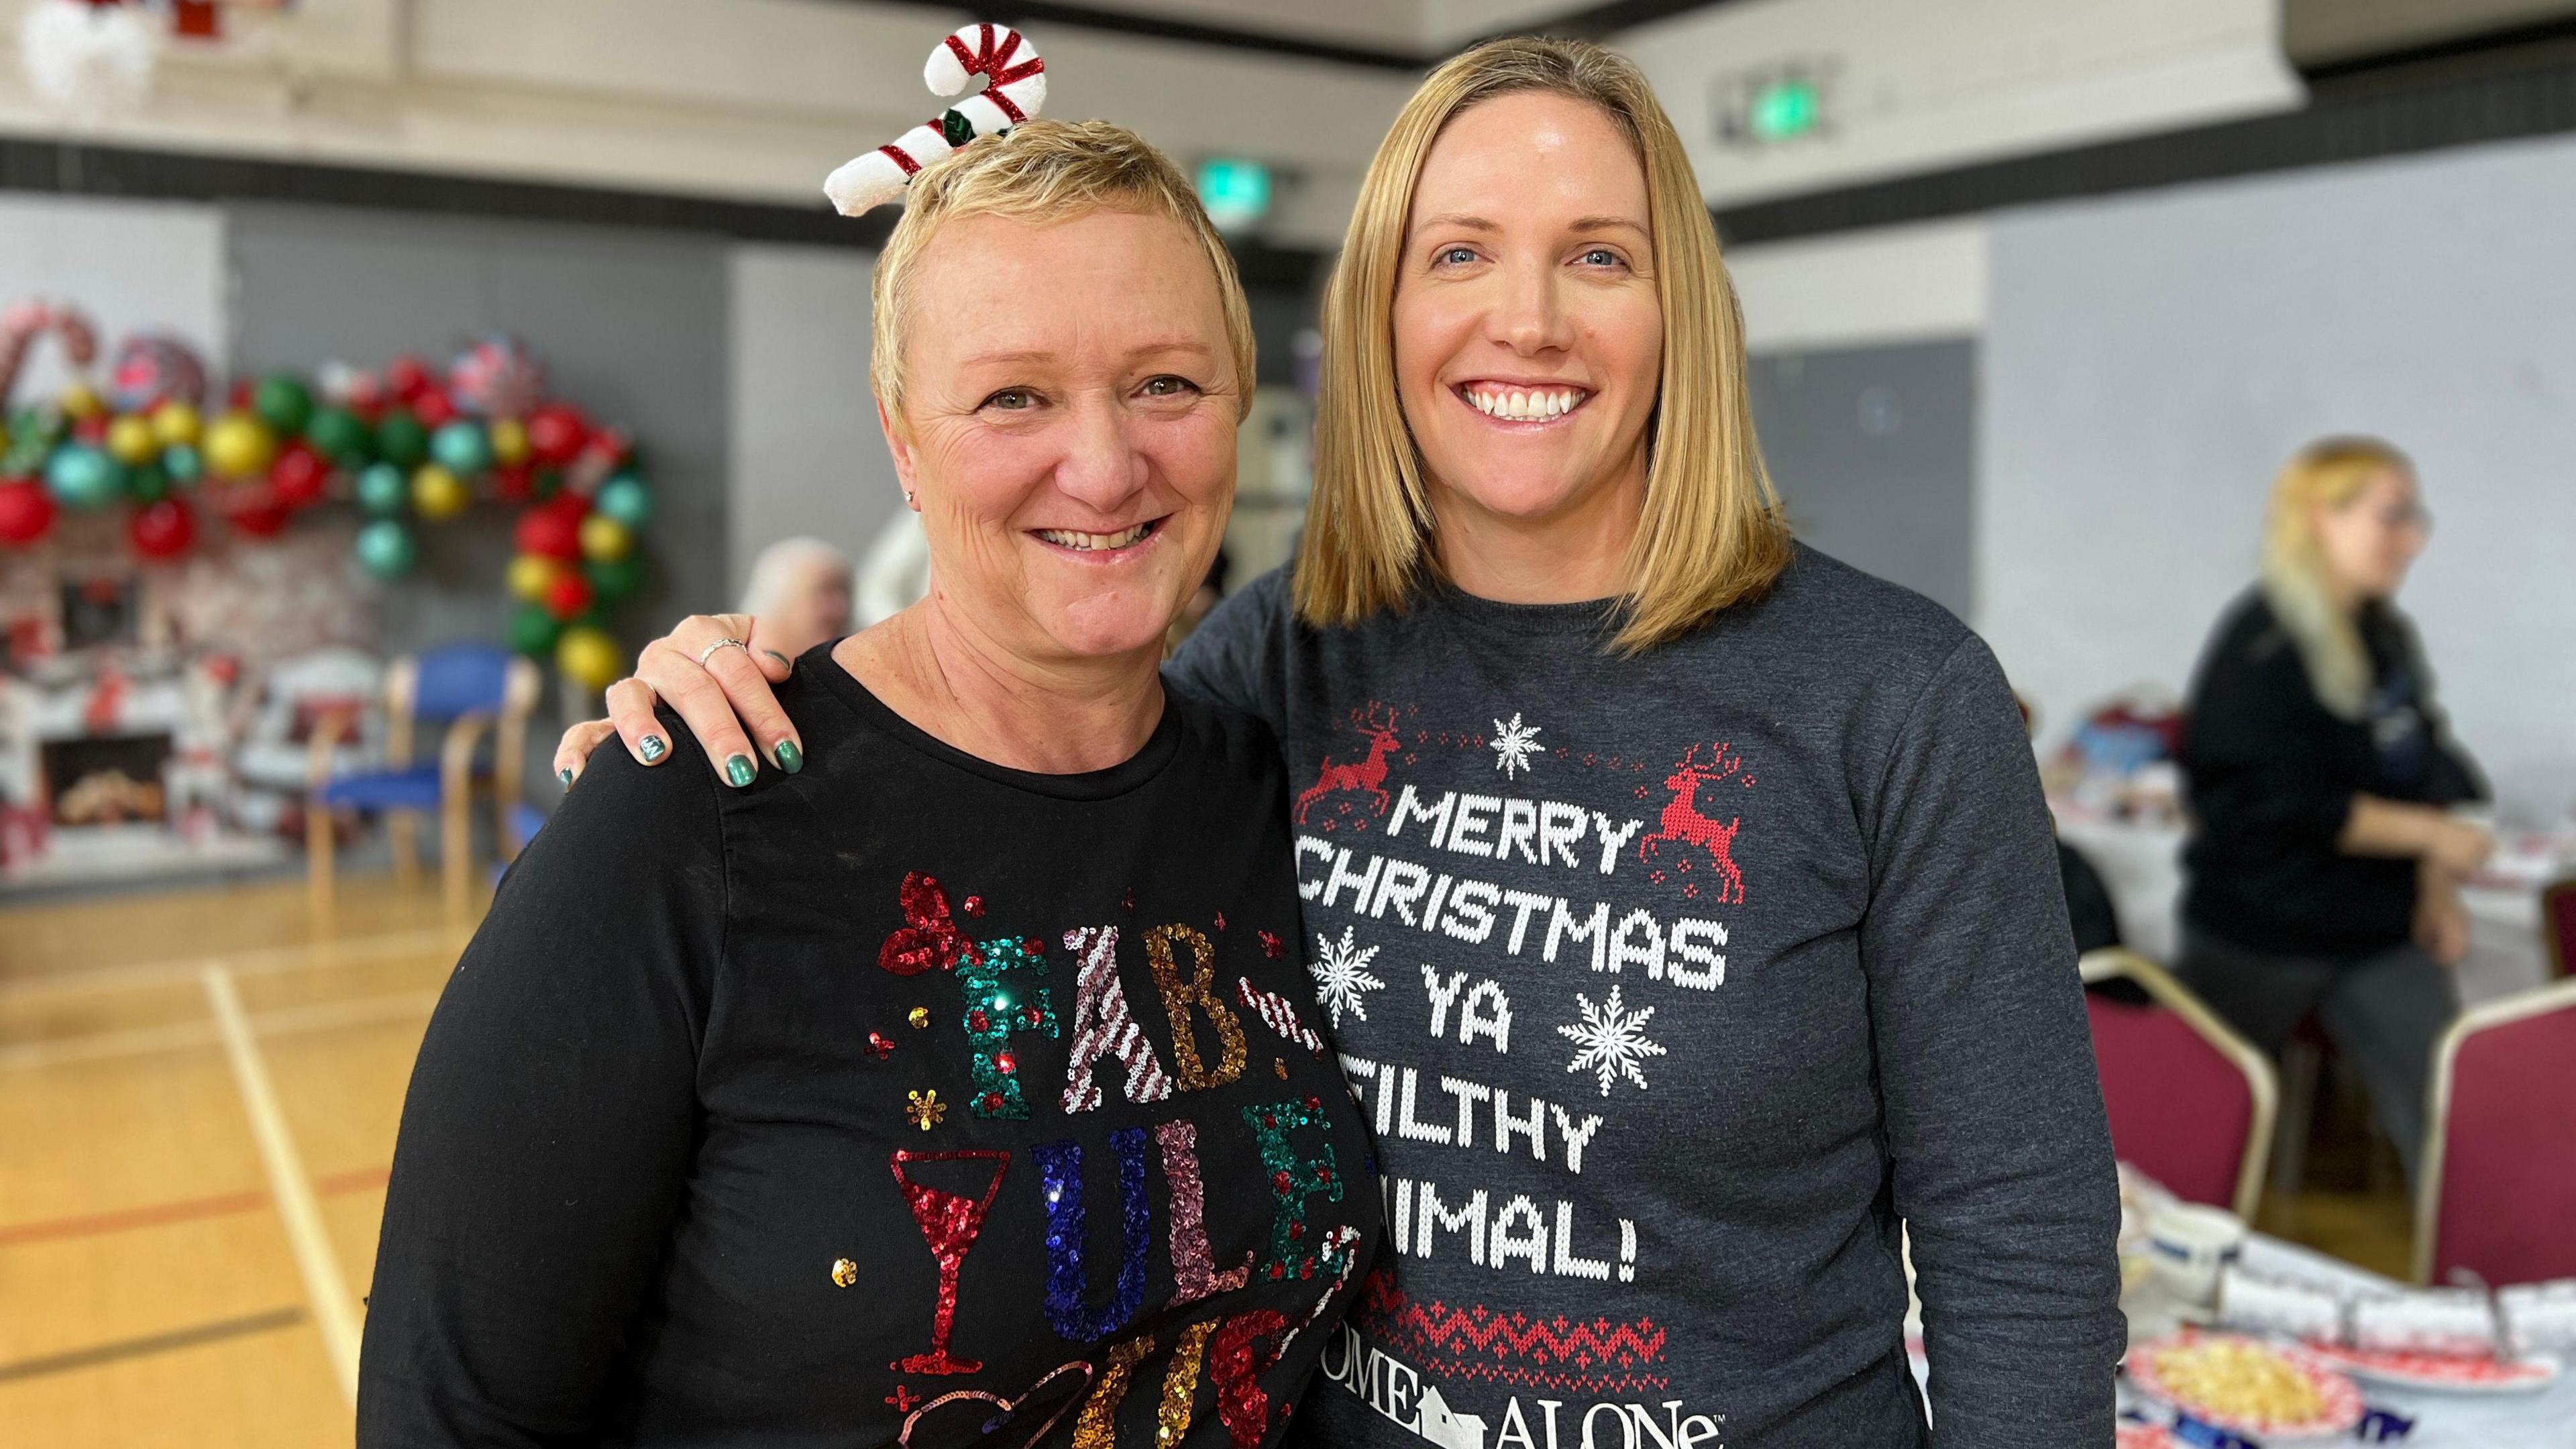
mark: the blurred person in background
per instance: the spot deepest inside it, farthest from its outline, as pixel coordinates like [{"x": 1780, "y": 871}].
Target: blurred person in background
[
  {"x": 2325, "y": 867},
  {"x": 804, "y": 585}
]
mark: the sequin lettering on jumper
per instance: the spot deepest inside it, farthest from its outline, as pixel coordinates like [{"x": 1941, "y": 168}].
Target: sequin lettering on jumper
[
  {"x": 1104, "y": 1027},
  {"x": 1067, "y": 1229},
  {"x": 1001, "y": 1002},
  {"x": 1295, "y": 1252},
  {"x": 1198, "y": 988},
  {"x": 1193, "y": 1275}
]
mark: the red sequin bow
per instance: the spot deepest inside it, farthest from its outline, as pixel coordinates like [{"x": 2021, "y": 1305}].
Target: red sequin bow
[{"x": 931, "y": 938}]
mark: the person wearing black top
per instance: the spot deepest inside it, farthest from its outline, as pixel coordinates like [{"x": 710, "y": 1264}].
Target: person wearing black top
[
  {"x": 957, "y": 1081},
  {"x": 2324, "y": 869}
]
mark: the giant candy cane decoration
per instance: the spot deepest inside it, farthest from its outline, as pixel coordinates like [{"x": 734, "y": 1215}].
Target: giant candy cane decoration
[
  {"x": 22, "y": 323},
  {"x": 1015, "y": 89}
]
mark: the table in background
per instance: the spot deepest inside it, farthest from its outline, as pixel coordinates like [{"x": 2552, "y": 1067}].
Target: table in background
[{"x": 2141, "y": 867}]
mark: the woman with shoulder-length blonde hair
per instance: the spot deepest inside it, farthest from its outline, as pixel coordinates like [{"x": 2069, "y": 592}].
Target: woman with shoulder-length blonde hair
[
  {"x": 2324, "y": 870},
  {"x": 1682, "y": 901}
]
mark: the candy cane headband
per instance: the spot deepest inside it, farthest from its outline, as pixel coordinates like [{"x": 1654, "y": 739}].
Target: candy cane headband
[{"x": 1014, "y": 90}]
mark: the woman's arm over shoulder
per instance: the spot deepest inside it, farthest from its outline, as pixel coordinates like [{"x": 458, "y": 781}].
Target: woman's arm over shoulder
[
  {"x": 550, "y": 1124},
  {"x": 2003, "y": 1167},
  {"x": 1238, "y": 656}
]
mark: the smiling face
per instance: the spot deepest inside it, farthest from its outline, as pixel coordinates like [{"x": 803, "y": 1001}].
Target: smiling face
[
  {"x": 1528, "y": 335},
  {"x": 1068, "y": 425}
]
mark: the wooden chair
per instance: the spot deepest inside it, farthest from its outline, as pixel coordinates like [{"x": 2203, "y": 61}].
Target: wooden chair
[
  {"x": 473, "y": 688},
  {"x": 2191, "y": 1103},
  {"x": 2498, "y": 1188}
]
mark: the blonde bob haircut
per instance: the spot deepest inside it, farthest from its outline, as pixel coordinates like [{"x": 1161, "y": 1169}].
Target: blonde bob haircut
[
  {"x": 1043, "y": 171},
  {"x": 1712, "y": 534},
  {"x": 2325, "y": 475}
]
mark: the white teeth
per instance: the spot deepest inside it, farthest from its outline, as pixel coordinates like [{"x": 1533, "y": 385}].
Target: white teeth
[
  {"x": 1094, "y": 542},
  {"x": 1524, "y": 405}
]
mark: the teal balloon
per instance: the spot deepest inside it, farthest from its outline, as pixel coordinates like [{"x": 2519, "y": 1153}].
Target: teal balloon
[
  {"x": 625, "y": 498},
  {"x": 462, "y": 447},
  {"x": 148, "y": 482},
  {"x": 181, "y": 462},
  {"x": 386, "y": 549},
  {"x": 382, "y": 489},
  {"x": 401, "y": 439},
  {"x": 284, "y": 401},
  {"x": 84, "y": 477}
]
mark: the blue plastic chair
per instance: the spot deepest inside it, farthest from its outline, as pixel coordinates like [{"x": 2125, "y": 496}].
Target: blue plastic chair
[{"x": 471, "y": 688}]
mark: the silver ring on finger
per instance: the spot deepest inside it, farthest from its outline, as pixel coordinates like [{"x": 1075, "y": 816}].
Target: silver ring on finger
[{"x": 710, "y": 651}]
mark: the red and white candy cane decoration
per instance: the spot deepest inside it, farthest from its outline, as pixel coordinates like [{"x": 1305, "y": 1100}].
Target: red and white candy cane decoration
[
  {"x": 1014, "y": 90},
  {"x": 22, "y": 323}
]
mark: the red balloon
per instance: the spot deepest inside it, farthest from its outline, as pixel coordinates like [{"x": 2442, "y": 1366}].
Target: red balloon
[
  {"x": 514, "y": 482},
  {"x": 26, "y": 511},
  {"x": 549, "y": 532},
  {"x": 568, "y": 595},
  {"x": 406, "y": 378},
  {"x": 254, "y": 509},
  {"x": 238, "y": 399},
  {"x": 162, "y": 528},
  {"x": 298, "y": 476},
  {"x": 556, "y": 433},
  {"x": 91, "y": 430},
  {"x": 433, "y": 407}
]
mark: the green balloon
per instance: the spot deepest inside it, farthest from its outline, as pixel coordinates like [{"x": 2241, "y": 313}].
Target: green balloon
[
  {"x": 382, "y": 489},
  {"x": 614, "y": 579},
  {"x": 32, "y": 436},
  {"x": 180, "y": 460},
  {"x": 149, "y": 482},
  {"x": 284, "y": 402},
  {"x": 401, "y": 440},
  {"x": 341, "y": 436},
  {"x": 81, "y": 476},
  {"x": 462, "y": 447},
  {"x": 533, "y": 631},
  {"x": 625, "y": 498},
  {"x": 386, "y": 549}
]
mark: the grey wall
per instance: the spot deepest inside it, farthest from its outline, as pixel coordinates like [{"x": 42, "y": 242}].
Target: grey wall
[
  {"x": 631, "y": 328},
  {"x": 2152, "y": 360},
  {"x": 1873, "y": 449},
  {"x": 807, "y": 455}
]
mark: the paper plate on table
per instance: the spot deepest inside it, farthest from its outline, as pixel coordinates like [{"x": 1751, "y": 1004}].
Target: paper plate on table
[
  {"x": 2246, "y": 1385},
  {"x": 2437, "y": 1373}
]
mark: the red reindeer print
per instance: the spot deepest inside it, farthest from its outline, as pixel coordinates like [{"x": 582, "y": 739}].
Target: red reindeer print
[
  {"x": 1683, "y": 824},
  {"x": 1366, "y": 776}
]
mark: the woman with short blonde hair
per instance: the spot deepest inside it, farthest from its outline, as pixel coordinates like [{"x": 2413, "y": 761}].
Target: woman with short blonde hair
[
  {"x": 1682, "y": 902},
  {"x": 2324, "y": 867}
]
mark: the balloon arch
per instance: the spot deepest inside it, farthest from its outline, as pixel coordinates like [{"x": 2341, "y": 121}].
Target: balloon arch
[{"x": 410, "y": 446}]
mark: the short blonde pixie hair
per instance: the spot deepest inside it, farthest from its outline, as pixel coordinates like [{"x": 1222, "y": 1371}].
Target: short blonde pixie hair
[
  {"x": 1042, "y": 171},
  {"x": 1712, "y": 535}
]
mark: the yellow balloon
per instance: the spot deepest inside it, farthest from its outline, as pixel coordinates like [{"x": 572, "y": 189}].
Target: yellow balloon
[
  {"x": 176, "y": 424},
  {"x": 509, "y": 442},
  {"x": 80, "y": 400},
  {"x": 239, "y": 445},
  {"x": 130, "y": 440},
  {"x": 604, "y": 538},
  {"x": 589, "y": 657},
  {"x": 437, "y": 493},
  {"x": 531, "y": 575}
]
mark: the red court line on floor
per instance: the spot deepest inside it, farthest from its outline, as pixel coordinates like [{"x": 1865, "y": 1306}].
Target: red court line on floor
[{"x": 154, "y": 1215}]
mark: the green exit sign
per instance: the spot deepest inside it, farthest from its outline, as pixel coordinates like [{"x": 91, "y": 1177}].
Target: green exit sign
[
  {"x": 1235, "y": 192},
  {"x": 1784, "y": 109}
]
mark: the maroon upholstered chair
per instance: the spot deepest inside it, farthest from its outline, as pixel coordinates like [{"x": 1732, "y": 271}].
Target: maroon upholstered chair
[
  {"x": 2191, "y": 1102},
  {"x": 2498, "y": 1196}
]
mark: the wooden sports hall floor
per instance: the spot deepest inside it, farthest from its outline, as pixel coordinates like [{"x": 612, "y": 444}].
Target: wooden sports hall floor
[{"x": 198, "y": 1100}]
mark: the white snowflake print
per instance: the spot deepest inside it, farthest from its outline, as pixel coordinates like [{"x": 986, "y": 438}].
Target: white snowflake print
[
  {"x": 1514, "y": 744},
  {"x": 1613, "y": 1042},
  {"x": 1342, "y": 977}
]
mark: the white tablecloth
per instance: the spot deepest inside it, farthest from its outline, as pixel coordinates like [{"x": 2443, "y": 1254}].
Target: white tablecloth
[{"x": 2141, "y": 866}]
